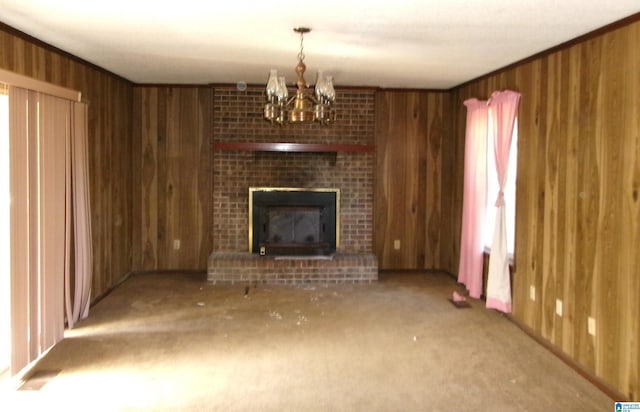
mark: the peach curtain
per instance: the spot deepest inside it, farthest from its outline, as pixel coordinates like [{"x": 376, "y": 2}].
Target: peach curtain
[
  {"x": 474, "y": 197},
  {"x": 20, "y": 233},
  {"x": 78, "y": 303},
  {"x": 41, "y": 128},
  {"x": 5, "y": 243}
]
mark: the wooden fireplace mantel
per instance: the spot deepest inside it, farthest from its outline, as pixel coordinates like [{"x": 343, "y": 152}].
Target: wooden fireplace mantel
[{"x": 293, "y": 147}]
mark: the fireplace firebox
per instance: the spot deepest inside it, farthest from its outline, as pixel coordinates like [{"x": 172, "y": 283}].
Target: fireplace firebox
[{"x": 294, "y": 221}]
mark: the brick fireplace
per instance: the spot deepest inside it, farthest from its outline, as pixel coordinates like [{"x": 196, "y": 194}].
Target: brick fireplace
[{"x": 241, "y": 162}]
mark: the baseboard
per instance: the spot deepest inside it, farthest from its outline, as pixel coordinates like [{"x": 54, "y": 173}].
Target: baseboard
[
  {"x": 613, "y": 393},
  {"x": 416, "y": 271},
  {"x": 143, "y": 272}
]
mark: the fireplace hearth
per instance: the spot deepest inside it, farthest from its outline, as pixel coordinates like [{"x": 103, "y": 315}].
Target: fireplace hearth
[
  {"x": 294, "y": 237},
  {"x": 294, "y": 221}
]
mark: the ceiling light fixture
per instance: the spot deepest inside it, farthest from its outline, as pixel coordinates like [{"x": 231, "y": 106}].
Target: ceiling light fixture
[{"x": 304, "y": 107}]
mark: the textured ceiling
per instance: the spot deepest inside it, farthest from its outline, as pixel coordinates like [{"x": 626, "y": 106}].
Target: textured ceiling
[{"x": 412, "y": 44}]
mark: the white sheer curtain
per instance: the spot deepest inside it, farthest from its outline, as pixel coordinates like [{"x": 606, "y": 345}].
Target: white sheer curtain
[
  {"x": 503, "y": 108},
  {"x": 41, "y": 127}
]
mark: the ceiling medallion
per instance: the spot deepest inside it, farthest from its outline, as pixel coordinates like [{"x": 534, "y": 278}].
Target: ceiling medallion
[{"x": 303, "y": 107}]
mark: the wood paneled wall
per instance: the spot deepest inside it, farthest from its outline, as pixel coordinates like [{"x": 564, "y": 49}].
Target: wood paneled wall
[
  {"x": 413, "y": 186},
  {"x": 109, "y": 99},
  {"x": 578, "y": 201},
  {"x": 172, "y": 177}
]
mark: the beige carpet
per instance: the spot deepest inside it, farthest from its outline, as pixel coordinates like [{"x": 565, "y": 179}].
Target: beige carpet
[{"x": 174, "y": 342}]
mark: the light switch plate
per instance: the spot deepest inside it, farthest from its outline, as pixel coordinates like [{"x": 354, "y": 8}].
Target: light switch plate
[
  {"x": 558, "y": 307},
  {"x": 532, "y": 293}
]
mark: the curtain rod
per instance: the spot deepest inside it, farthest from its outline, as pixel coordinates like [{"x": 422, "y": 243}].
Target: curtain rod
[{"x": 18, "y": 80}]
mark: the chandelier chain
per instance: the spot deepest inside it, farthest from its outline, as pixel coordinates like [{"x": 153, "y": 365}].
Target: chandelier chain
[{"x": 301, "y": 54}]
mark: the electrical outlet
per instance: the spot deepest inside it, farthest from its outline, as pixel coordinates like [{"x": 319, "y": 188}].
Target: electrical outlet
[
  {"x": 591, "y": 326},
  {"x": 558, "y": 307},
  {"x": 176, "y": 244},
  {"x": 532, "y": 293},
  {"x": 396, "y": 244}
]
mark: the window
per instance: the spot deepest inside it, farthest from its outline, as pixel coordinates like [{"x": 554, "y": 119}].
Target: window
[
  {"x": 509, "y": 192},
  {"x": 481, "y": 189}
]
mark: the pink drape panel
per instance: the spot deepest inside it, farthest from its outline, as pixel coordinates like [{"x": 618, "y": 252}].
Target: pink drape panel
[
  {"x": 474, "y": 197},
  {"x": 504, "y": 108},
  {"x": 40, "y": 129}
]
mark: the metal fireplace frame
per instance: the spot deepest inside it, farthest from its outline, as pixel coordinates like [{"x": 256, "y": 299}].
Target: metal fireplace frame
[{"x": 253, "y": 190}]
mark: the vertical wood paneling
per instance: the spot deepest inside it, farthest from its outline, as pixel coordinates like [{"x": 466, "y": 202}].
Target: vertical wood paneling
[
  {"x": 452, "y": 180},
  {"x": 165, "y": 119},
  {"x": 203, "y": 186},
  {"x": 415, "y": 196},
  {"x": 610, "y": 130},
  {"x": 390, "y": 178},
  {"x": 435, "y": 170},
  {"x": 109, "y": 139},
  {"x": 174, "y": 132},
  {"x": 577, "y": 212},
  {"x": 628, "y": 290},
  {"x": 147, "y": 104},
  {"x": 410, "y": 129},
  {"x": 571, "y": 61}
]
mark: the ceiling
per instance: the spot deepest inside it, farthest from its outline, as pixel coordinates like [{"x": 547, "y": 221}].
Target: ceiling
[{"x": 393, "y": 44}]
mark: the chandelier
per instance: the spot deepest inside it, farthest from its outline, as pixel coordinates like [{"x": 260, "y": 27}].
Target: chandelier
[{"x": 303, "y": 107}]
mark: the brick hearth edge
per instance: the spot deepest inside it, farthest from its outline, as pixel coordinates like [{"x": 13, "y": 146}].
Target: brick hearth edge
[{"x": 238, "y": 267}]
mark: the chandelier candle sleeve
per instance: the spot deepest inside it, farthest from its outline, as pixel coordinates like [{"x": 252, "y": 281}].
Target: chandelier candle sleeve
[
  {"x": 282, "y": 93},
  {"x": 303, "y": 107},
  {"x": 330, "y": 93},
  {"x": 319, "y": 84},
  {"x": 272, "y": 85}
]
